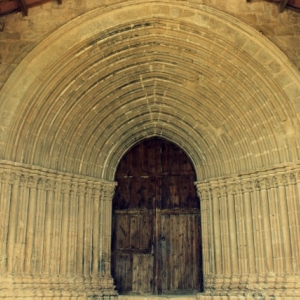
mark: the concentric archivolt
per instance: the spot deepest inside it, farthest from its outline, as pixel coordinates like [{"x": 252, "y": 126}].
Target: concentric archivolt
[{"x": 190, "y": 74}]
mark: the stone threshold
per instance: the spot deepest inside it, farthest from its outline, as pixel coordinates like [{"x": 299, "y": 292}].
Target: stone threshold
[{"x": 157, "y": 297}]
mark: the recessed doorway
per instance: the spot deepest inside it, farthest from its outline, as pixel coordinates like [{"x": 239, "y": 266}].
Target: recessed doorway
[{"x": 156, "y": 243}]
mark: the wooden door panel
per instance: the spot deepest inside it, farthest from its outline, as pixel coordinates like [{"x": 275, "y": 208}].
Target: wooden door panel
[
  {"x": 132, "y": 256},
  {"x": 121, "y": 232},
  {"x": 156, "y": 233},
  {"x": 178, "y": 191},
  {"x": 146, "y": 231},
  {"x": 122, "y": 264},
  {"x": 180, "y": 251},
  {"x": 133, "y": 231},
  {"x": 135, "y": 192},
  {"x": 142, "y": 273}
]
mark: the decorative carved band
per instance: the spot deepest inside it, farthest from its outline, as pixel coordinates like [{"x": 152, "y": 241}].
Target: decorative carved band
[{"x": 283, "y": 175}]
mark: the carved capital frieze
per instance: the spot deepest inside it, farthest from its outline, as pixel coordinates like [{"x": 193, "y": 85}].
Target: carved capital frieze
[
  {"x": 23, "y": 180},
  {"x": 81, "y": 189},
  {"x": 65, "y": 187},
  {"x": 13, "y": 178},
  {"x": 249, "y": 182},
  {"x": 50, "y": 185},
  {"x": 41, "y": 184},
  {"x": 73, "y": 189},
  {"x": 108, "y": 191},
  {"x": 4, "y": 177},
  {"x": 204, "y": 194},
  {"x": 32, "y": 181}
]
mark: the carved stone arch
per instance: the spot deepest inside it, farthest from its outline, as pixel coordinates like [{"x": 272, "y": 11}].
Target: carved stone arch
[
  {"x": 185, "y": 72},
  {"x": 212, "y": 122}
]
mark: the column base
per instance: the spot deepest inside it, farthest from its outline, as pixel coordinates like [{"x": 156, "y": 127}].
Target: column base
[
  {"x": 254, "y": 296},
  {"x": 60, "y": 288}
]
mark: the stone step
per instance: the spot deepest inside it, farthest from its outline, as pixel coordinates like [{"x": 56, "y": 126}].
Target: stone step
[{"x": 157, "y": 297}]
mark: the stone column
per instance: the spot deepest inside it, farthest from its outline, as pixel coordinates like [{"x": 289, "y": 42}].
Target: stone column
[
  {"x": 64, "y": 227},
  {"x": 32, "y": 184},
  {"x": 72, "y": 232},
  {"x": 13, "y": 217},
  {"x": 39, "y": 230},
  {"x": 87, "y": 248},
  {"x": 247, "y": 192},
  {"x": 4, "y": 219},
  {"x": 241, "y": 230},
  {"x": 49, "y": 188},
  {"x": 225, "y": 235},
  {"x": 275, "y": 226},
  {"x": 106, "y": 228},
  {"x": 232, "y": 216},
  {"x": 21, "y": 226},
  {"x": 284, "y": 224},
  {"x": 97, "y": 205},
  {"x": 208, "y": 255},
  {"x": 294, "y": 218},
  {"x": 56, "y": 228},
  {"x": 265, "y": 185},
  {"x": 216, "y": 198},
  {"x": 80, "y": 227}
]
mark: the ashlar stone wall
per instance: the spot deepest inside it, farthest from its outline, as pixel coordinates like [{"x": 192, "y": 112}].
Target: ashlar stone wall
[{"x": 21, "y": 34}]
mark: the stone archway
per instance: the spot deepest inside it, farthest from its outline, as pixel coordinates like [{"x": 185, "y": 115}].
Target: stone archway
[
  {"x": 204, "y": 101},
  {"x": 187, "y": 73}
]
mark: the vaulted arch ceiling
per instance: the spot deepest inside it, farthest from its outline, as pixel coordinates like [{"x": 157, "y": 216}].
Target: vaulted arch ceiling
[{"x": 182, "y": 71}]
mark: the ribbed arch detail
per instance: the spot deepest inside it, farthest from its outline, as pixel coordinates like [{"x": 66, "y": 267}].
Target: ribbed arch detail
[{"x": 184, "y": 72}]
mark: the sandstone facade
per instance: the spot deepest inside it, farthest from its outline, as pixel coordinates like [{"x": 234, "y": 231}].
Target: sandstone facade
[{"x": 81, "y": 83}]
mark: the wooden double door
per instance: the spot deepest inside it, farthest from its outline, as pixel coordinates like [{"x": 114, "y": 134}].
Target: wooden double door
[{"x": 156, "y": 244}]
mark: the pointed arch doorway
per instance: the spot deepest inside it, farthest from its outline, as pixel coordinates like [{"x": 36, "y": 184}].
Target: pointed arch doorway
[{"x": 156, "y": 242}]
